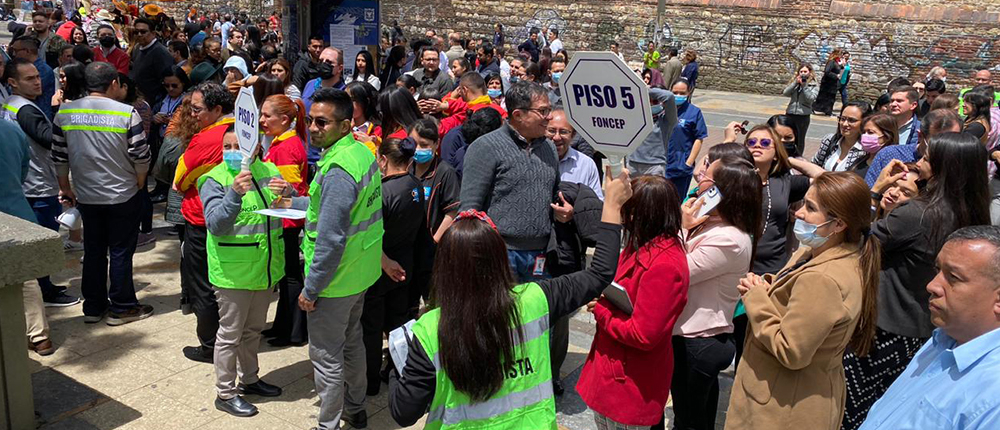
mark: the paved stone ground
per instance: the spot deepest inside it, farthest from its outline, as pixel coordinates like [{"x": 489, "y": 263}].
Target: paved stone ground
[{"x": 135, "y": 376}]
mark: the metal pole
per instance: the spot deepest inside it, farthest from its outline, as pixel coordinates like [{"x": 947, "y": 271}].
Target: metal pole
[{"x": 660, "y": 7}]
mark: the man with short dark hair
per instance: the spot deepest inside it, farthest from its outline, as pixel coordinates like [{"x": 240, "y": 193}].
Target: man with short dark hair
[
  {"x": 556, "y": 68},
  {"x": 902, "y": 107},
  {"x": 555, "y": 45},
  {"x": 455, "y": 49},
  {"x": 331, "y": 75},
  {"x": 430, "y": 74},
  {"x": 512, "y": 174},
  {"x": 953, "y": 381},
  {"x": 28, "y": 48},
  {"x": 932, "y": 89},
  {"x": 530, "y": 46},
  {"x": 180, "y": 52},
  {"x": 108, "y": 50},
  {"x": 937, "y": 121},
  {"x": 41, "y": 186},
  {"x": 488, "y": 63},
  {"x": 212, "y": 107},
  {"x": 102, "y": 142},
  {"x": 150, "y": 61},
  {"x": 41, "y": 29},
  {"x": 672, "y": 68},
  {"x": 343, "y": 251},
  {"x": 307, "y": 68}
]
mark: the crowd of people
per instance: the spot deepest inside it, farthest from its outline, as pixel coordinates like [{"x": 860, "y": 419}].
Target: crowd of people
[{"x": 447, "y": 207}]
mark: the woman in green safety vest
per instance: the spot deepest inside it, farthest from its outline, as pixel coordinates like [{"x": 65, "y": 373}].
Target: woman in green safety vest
[
  {"x": 479, "y": 358},
  {"x": 246, "y": 259}
]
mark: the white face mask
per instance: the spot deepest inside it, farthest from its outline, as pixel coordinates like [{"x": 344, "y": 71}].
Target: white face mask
[{"x": 805, "y": 232}]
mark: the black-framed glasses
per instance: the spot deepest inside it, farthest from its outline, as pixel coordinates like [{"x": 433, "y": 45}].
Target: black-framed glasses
[
  {"x": 321, "y": 122},
  {"x": 763, "y": 143}
]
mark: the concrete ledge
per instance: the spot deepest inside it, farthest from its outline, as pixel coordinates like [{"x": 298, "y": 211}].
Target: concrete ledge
[{"x": 27, "y": 251}]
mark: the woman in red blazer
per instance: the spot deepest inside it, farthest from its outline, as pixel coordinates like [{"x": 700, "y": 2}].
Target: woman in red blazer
[{"x": 626, "y": 379}]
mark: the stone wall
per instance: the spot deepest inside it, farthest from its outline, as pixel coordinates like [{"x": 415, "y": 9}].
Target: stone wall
[{"x": 748, "y": 45}]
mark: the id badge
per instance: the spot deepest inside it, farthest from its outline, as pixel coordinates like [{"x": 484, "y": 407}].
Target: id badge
[{"x": 539, "y": 266}]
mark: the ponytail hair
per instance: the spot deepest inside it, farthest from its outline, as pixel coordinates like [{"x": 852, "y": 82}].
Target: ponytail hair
[
  {"x": 399, "y": 152},
  {"x": 293, "y": 109},
  {"x": 846, "y": 197}
]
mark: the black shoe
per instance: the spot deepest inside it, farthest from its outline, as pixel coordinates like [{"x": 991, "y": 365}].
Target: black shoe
[
  {"x": 271, "y": 332},
  {"x": 358, "y": 421},
  {"x": 158, "y": 198},
  {"x": 60, "y": 300},
  {"x": 373, "y": 388},
  {"x": 557, "y": 387},
  {"x": 137, "y": 313},
  {"x": 260, "y": 388},
  {"x": 199, "y": 354},
  {"x": 236, "y": 406},
  {"x": 280, "y": 343}
]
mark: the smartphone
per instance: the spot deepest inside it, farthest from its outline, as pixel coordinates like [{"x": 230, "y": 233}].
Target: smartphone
[
  {"x": 710, "y": 200},
  {"x": 617, "y": 295}
]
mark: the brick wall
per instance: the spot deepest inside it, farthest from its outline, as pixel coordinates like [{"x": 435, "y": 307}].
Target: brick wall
[{"x": 748, "y": 45}]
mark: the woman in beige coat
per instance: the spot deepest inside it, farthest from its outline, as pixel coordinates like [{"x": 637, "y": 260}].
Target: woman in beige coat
[{"x": 802, "y": 319}]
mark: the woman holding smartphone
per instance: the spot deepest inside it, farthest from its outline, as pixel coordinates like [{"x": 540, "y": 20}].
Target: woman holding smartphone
[
  {"x": 801, "y": 91},
  {"x": 719, "y": 252}
]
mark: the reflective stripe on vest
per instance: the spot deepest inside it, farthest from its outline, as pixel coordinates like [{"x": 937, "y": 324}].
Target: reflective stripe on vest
[
  {"x": 360, "y": 264},
  {"x": 249, "y": 255},
  {"x": 524, "y": 401}
]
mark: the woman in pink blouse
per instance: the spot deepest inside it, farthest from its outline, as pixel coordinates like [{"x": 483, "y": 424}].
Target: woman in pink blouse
[{"x": 720, "y": 250}]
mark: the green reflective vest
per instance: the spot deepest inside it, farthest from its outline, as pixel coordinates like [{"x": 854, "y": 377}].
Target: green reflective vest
[
  {"x": 525, "y": 401},
  {"x": 361, "y": 263},
  {"x": 250, "y": 255}
]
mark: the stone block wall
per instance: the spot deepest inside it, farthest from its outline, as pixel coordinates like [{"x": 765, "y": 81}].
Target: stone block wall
[{"x": 748, "y": 45}]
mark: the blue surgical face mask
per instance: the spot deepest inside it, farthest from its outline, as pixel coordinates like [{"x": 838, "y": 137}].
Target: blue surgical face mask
[
  {"x": 423, "y": 155},
  {"x": 514, "y": 79},
  {"x": 556, "y": 76},
  {"x": 493, "y": 92},
  {"x": 679, "y": 100},
  {"x": 657, "y": 109},
  {"x": 806, "y": 233},
  {"x": 233, "y": 159}
]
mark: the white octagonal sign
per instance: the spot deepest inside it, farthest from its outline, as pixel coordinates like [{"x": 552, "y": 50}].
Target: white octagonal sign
[{"x": 606, "y": 102}]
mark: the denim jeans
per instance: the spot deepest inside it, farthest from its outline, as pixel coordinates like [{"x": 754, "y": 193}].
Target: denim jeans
[
  {"x": 47, "y": 210},
  {"x": 523, "y": 265}
]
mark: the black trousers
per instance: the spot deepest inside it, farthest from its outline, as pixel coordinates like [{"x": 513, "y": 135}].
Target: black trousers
[
  {"x": 196, "y": 290},
  {"x": 740, "y": 324},
  {"x": 290, "y": 320},
  {"x": 802, "y": 125},
  {"x": 386, "y": 308},
  {"x": 112, "y": 231},
  {"x": 695, "y": 384}
]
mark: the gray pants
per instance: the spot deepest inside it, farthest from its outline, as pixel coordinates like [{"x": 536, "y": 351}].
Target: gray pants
[
  {"x": 242, "y": 316},
  {"x": 34, "y": 313},
  {"x": 637, "y": 169},
  {"x": 337, "y": 351}
]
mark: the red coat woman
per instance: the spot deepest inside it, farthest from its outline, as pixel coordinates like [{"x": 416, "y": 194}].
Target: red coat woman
[{"x": 626, "y": 378}]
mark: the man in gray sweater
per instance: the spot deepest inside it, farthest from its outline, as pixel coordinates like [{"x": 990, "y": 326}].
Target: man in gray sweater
[{"x": 512, "y": 173}]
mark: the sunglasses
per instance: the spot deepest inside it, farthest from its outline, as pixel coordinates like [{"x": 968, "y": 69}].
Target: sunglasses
[
  {"x": 320, "y": 122},
  {"x": 763, "y": 143}
]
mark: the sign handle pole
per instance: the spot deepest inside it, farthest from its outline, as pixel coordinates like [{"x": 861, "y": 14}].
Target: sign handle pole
[{"x": 617, "y": 163}]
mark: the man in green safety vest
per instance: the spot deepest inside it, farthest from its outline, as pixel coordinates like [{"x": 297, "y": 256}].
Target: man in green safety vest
[
  {"x": 343, "y": 252},
  {"x": 246, "y": 258}
]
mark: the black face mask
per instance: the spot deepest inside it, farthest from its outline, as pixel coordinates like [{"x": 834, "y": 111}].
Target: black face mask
[
  {"x": 107, "y": 41},
  {"x": 325, "y": 71}
]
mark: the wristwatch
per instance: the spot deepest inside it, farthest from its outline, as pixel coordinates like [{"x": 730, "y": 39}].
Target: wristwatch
[{"x": 876, "y": 196}]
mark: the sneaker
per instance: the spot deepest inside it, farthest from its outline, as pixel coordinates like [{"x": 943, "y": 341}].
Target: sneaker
[
  {"x": 145, "y": 239},
  {"x": 71, "y": 246},
  {"x": 60, "y": 300},
  {"x": 94, "y": 319},
  {"x": 137, "y": 313}
]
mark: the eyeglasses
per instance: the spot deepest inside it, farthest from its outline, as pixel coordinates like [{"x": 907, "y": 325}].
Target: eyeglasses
[
  {"x": 564, "y": 133},
  {"x": 848, "y": 119},
  {"x": 544, "y": 112},
  {"x": 321, "y": 122},
  {"x": 763, "y": 143}
]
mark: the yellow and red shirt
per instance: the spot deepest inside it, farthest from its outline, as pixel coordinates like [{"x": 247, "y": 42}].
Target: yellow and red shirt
[
  {"x": 202, "y": 154},
  {"x": 289, "y": 153}
]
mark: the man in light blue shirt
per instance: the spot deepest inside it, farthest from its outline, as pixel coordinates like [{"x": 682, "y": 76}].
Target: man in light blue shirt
[
  {"x": 573, "y": 165},
  {"x": 954, "y": 380}
]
